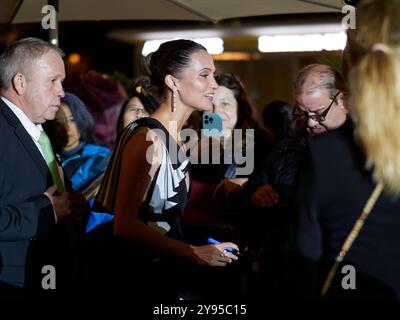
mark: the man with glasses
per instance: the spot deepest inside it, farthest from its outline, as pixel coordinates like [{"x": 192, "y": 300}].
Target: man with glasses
[
  {"x": 319, "y": 107},
  {"x": 319, "y": 98}
]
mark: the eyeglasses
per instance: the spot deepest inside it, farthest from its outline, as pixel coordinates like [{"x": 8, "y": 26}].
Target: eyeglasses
[{"x": 300, "y": 114}]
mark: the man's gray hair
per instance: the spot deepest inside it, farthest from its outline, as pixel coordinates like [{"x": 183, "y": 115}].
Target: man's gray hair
[
  {"x": 19, "y": 56},
  {"x": 327, "y": 78}
]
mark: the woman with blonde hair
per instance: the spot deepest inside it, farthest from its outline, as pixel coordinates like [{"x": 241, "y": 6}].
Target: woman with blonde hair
[{"x": 348, "y": 219}]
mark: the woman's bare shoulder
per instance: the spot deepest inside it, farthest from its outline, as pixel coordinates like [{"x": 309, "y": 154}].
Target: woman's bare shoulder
[{"x": 144, "y": 147}]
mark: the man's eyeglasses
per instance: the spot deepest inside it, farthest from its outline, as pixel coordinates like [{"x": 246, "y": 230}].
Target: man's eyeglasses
[{"x": 300, "y": 114}]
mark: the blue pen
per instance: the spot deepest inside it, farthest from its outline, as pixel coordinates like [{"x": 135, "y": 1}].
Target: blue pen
[{"x": 231, "y": 250}]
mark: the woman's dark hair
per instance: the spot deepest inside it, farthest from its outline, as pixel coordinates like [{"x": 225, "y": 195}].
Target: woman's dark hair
[
  {"x": 83, "y": 119},
  {"x": 172, "y": 58},
  {"x": 142, "y": 91},
  {"x": 278, "y": 116},
  {"x": 245, "y": 118}
]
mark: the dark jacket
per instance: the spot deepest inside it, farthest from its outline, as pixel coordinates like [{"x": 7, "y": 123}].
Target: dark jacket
[
  {"x": 27, "y": 221},
  {"x": 280, "y": 168},
  {"x": 331, "y": 195}
]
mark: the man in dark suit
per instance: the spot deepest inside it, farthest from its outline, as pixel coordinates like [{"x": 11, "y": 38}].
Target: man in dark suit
[{"x": 31, "y": 75}]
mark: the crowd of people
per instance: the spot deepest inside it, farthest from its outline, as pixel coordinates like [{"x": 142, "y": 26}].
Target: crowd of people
[{"x": 140, "y": 217}]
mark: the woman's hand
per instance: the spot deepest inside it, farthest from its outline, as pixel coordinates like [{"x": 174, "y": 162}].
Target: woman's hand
[{"x": 214, "y": 255}]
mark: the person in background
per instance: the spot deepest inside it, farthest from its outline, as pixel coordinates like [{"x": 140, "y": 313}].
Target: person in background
[
  {"x": 277, "y": 118},
  {"x": 83, "y": 160},
  {"x": 72, "y": 136},
  {"x": 217, "y": 187},
  {"x": 142, "y": 103},
  {"x": 103, "y": 95},
  {"x": 320, "y": 106},
  {"x": 232, "y": 103},
  {"x": 320, "y": 98}
]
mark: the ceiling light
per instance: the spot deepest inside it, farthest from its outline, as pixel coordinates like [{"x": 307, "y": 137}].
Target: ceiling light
[{"x": 302, "y": 42}]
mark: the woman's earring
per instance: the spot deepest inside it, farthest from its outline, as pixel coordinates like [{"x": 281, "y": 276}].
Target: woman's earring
[{"x": 173, "y": 100}]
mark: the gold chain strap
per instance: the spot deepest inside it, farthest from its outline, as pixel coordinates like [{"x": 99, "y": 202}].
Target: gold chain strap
[{"x": 351, "y": 237}]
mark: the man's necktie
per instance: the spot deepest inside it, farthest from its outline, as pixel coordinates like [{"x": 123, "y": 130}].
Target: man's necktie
[{"x": 48, "y": 154}]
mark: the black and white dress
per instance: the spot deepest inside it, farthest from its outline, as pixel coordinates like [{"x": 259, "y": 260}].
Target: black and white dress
[{"x": 167, "y": 195}]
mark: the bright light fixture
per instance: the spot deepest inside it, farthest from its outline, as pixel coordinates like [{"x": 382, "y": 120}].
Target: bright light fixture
[
  {"x": 302, "y": 42},
  {"x": 213, "y": 45},
  {"x": 74, "y": 58}
]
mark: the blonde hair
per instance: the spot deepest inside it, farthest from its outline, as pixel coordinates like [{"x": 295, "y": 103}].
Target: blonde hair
[{"x": 375, "y": 88}]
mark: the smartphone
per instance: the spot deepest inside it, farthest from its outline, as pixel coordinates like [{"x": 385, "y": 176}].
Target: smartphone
[{"x": 212, "y": 124}]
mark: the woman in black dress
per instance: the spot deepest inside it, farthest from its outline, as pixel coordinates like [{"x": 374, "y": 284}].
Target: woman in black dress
[{"x": 147, "y": 183}]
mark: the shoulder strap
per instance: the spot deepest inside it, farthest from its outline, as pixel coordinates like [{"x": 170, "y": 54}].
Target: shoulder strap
[
  {"x": 351, "y": 237},
  {"x": 106, "y": 195},
  {"x": 105, "y": 198}
]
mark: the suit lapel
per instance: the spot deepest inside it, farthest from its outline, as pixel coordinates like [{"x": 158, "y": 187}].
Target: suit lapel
[
  {"x": 33, "y": 151},
  {"x": 26, "y": 140}
]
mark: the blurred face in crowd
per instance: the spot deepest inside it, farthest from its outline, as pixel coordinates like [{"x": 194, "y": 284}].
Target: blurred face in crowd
[
  {"x": 40, "y": 98},
  {"x": 66, "y": 127},
  {"x": 320, "y": 110},
  {"x": 196, "y": 84},
  {"x": 226, "y": 105},
  {"x": 134, "y": 110}
]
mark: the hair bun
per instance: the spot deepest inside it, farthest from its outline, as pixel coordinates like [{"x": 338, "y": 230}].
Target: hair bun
[{"x": 143, "y": 84}]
